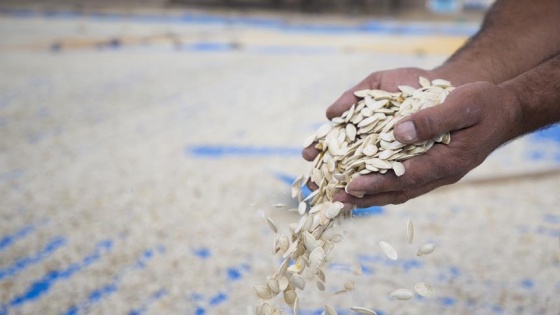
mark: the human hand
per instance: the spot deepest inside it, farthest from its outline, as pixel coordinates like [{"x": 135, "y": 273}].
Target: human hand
[
  {"x": 388, "y": 80},
  {"x": 481, "y": 116}
]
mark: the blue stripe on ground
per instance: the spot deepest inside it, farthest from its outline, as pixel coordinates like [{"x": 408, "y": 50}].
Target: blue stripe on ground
[
  {"x": 149, "y": 301},
  {"x": 292, "y": 49},
  {"x": 552, "y": 218},
  {"x": 22, "y": 263},
  {"x": 7, "y": 240},
  {"x": 233, "y": 274},
  {"x": 221, "y": 151},
  {"x": 209, "y": 46},
  {"x": 109, "y": 288},
  {"x": 41, "y": 286},
  {"x": 202, "y": 252},
  {"x": 372, "y": 26},
  {"x": 13, "y": 174}
]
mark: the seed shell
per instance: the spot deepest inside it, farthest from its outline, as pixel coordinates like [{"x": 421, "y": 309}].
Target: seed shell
[
  {"x": 363, "y": 310},
  {"x": 423, "y": 289},
  {"x": 402, "y": 294},
  {"x": 389, "y": 250},
  {"x": 272, "y": 225},
  {"x": 409, "y": 231},
  {"x": 426, "y": 249},
  {"x": 329, "y": 310}
]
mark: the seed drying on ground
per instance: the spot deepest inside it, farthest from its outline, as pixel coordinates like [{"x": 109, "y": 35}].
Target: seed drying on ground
[
  {"x": 272, "y": 225},
  {"x": 349, "y": 285},
  {"x": 402, "y": 294},
  {"x": 329, "y": 310},
  {"x": 363, "y": 310},
  {"x": 389, "y": 250},
  {"x": 409, "y": 231},
  {"x": 356, "y": 268},
  {"x": 423, "y": 289},
  {"x": 426, "y": 249}
]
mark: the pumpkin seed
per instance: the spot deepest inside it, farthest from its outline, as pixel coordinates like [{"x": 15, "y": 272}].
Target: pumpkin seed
[
  {"x": 423, "y": 289},
  {"x": 426, "y": 249},
  {"x": 409, "y": 231},
  {"x": 363, "y": 310},
  {"x": 389, "y": 250},
  {"x": 401, "y": 294}
]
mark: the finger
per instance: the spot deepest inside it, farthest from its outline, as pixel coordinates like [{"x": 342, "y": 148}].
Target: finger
[
  {"x": 310, "y": 153},
  {"x": 393, "y": 197},
  {"x": 419, "y": 170},
  {"x": 311, "y": 185},
  {"x": 458, "y": 112},
  {"x": 345, "y": 101}
]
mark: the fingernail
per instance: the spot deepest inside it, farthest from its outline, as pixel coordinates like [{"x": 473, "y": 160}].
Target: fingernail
[
  {"x": 357, "y": 194},
  {"x": 406, "y": 131}
]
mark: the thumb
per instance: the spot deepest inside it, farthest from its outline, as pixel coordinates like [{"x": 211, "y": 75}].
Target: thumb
[{"x": 433, "y": 121}]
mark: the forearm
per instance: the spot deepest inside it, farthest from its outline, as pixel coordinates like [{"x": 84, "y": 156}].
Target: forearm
[
  {"x": 538, "y": 96},
  {"x": 516, "y": 35}
]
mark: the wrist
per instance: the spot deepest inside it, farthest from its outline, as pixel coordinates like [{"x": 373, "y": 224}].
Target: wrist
[{"x": 513, "y": 109}]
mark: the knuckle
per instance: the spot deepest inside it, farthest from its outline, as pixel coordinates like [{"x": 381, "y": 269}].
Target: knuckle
[
  {"x": 401, "y": 197},
  {"x": 426, "y": 125},
  {"x": 411, "y": 180}
]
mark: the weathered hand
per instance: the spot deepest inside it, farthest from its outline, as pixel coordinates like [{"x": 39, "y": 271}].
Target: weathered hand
[
  {"x": 388, "y": 80},
  {"x": 481, "y": 116}
]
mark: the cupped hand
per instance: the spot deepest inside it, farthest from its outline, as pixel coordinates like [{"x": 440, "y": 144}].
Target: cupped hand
[
  {"x": 388, "y": 80},
  {"x": 480, "y": 116}
]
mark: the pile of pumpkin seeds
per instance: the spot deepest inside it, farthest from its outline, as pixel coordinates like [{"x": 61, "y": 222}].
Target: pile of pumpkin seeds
[{"x": 359, "y": 142}]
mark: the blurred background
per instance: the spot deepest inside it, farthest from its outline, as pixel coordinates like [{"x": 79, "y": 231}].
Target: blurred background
[{"x": 143, "y": 142}]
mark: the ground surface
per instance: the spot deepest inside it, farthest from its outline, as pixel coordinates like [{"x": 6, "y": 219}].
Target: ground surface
[{"x": 138, "y": 154}]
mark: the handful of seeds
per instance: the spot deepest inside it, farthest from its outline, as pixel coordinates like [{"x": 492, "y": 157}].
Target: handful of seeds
[{"x": 359, "y": 142}]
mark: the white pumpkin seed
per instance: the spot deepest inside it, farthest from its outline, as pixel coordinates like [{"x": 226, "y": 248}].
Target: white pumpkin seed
[
  {"x": 356, "y": 268},
  {"x": 329, "y": 310},
  {"x": 363, "y": 310},
  {"x": 298, "y": 281},
  {"x": 409, "y": 231},
  {"x": 290, "y": 297},
  {"x": 389, "y": 250},
  {"x": 272, "y": 225},
  {"x": 426, "y": 249},
  {"x": 423, "y": 289},
  {"x": 398, "y": 168},
  {"x": 349, "y": 285},
  {"x": 263, "y": 292},
  {"x": 424, "y": 82},
  {"x": 402, "y": 294},
  {"x": 302, "y": 207},
  {"x": 283, "y": 283}
]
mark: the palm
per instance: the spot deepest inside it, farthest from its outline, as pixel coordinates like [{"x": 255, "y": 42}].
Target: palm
[{"x": 384, "y": 80}]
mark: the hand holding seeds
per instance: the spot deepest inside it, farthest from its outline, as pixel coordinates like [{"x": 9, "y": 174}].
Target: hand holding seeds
[
  {"x": 388, "y": 80},
  {"x": 479, "y": 115}
]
